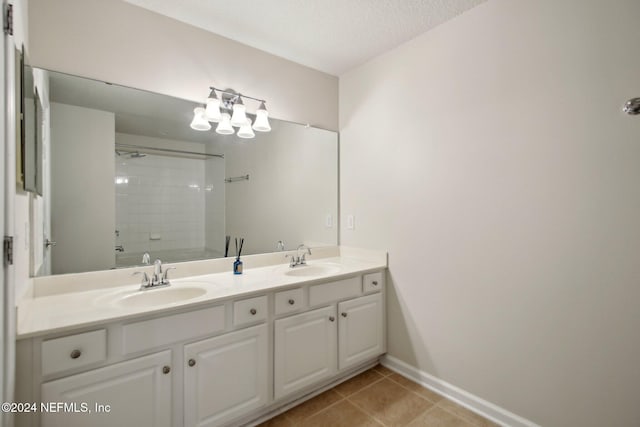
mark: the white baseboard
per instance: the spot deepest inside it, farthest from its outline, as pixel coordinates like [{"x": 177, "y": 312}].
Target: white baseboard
[{"x": 470, "y": 401}]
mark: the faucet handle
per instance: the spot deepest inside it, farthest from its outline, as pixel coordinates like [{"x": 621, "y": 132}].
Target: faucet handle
[
  {"x": 145, "y": 278},
  {"x": 165, "y": 279},
  {"x": 293, "y": 261}
]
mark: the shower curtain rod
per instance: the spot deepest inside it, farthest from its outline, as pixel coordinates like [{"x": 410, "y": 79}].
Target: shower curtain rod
[{"x": 168, "y": 150}]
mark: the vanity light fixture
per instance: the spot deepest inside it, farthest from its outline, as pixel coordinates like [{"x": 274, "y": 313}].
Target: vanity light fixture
[
  {"x": 199, "y": 121},
  {"x": 239, "y": 117},
  {"x": 212, "y": 112},
  {"x": 245, "y": 130},
  {"x": 262, "y": 119},
  {"x": 229, "y": 111},
  {"x": 224, "y": 127}
]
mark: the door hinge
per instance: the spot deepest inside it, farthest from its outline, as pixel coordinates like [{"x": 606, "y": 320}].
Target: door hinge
[
  {"x": 8, "y": 20},
  {"x": 7, "y": 250}
]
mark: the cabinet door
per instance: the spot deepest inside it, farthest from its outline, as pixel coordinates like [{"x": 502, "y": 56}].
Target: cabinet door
[
  {"x": 225, "y": 376},
  {"x": 361, "y": 332},
  {"x": 305, "y": 350},
  {"x": 137, "y": 391}
]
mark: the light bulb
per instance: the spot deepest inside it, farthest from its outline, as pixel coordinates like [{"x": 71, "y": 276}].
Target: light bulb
[
  {"x": 239, "y": 117},
  {"x": 245, "y": 130},
  {"x": 224, "y": 127},
  {"x": 199, "y": 122},
  {"x": 262, "y": 119},
  {"x": 212, "y": 112}
]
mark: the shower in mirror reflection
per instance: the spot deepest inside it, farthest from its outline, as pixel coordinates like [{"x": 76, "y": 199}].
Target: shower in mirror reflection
[{"x": 130, "y": 155}]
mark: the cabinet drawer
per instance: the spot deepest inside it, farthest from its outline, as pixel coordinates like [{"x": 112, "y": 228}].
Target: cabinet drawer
[
  {"x": 329, "y": 292},
  {"x": 153, "y": 333},
  {"x": 289, "y": 301},
  {"x": 74, "y": 351},
  {"x": 249, "y": 310},
  {"x": 372, "y": 282}
]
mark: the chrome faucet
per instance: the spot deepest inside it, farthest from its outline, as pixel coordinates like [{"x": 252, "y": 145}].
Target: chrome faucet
[
  {"x": 157, "y": 272},
  {"x": 158, "y": 280},
  {"x": 299, "y": 259}
]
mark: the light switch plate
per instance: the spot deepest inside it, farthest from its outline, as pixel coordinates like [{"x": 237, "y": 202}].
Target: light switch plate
[
  {"x": 328, "y": 222},
  {"x": 351, "y": 222}
]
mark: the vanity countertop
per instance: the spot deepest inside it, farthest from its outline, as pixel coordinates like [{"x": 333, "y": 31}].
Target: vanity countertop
[{"x": 59, "y": 312}]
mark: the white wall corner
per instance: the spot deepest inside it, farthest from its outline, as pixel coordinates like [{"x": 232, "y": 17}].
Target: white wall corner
[{"x": 470, "y": 401}]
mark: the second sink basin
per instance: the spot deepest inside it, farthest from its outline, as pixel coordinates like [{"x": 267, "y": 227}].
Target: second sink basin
[
  {"x": 162, "y": 296},
  {"x": 313, "y": 270}
]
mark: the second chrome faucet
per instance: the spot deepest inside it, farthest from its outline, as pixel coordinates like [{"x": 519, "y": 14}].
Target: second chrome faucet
[{"x": 299, "y": 259}]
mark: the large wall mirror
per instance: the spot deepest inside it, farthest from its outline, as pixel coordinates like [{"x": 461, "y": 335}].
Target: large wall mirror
[{"x": 125, "y": 176}]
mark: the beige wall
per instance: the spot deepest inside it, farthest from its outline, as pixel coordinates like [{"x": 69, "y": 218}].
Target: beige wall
[
  {"x": 82, "y": 210},
  {"x": 117, "y": 42},
  {"x": 491, "y": 159}
]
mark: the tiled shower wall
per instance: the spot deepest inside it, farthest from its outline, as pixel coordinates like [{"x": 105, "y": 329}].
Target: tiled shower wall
[{"x": 160, "y": 203}]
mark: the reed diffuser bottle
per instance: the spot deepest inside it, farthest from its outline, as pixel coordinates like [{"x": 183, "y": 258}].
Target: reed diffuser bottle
[{"x": 237, "y": 264}]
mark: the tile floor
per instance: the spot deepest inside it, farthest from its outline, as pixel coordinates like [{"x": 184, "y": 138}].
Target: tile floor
[{"x": 378, "y": 397}]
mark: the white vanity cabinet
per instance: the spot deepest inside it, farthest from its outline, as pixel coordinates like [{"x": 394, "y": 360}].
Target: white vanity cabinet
[
  {"x": 215, "y": 364},
  {"x": 361, "y": 330},
  {"x": 225, "y": 376},
  {"x": 315, "y": 345},
  {"x": 305, "y": 350},
  {"x": 132, "y": 393}
]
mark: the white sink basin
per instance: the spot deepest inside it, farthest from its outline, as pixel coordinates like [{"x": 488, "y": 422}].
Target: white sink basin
[
  {"x": 313, "y": 270},
  {"x": 161, "y": 296}
]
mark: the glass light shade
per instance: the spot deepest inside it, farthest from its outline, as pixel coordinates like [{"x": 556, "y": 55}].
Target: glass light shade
[
  {"x": 262, "y": 119},
  {"x": 239, "y": 117},
  {"x": 199, "y": 122},
  {"x": 224, "y": 127},
  {"x": 246, "y": 131},
  {"x": 212, "y": 113}
]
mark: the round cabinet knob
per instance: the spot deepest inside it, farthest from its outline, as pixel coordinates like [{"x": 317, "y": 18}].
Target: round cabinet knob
[
  {"x": 166, "y": 369},
  {"x": 75, "y": 354},
  {"x": 291, "y": 302},
  {"x": 253, "y": 311},
  {"x": 374, "y": 283},
  {"x": 331, "y": 318},
  {"x": 344, "y": 314},
  {"x": 192, "y": 362}
]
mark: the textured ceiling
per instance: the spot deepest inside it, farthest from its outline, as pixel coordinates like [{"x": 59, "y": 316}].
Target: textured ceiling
[{"x": 329, "y": 35}]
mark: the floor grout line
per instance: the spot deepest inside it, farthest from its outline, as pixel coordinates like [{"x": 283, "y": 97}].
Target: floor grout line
[
  {"x": 365, "y": 387},
  {"x": 365, "y": 411},
  {"x": 433, "y": 404},
  {"x": 324, "y": 409},
  {"x": 342, "y": 397},
  {"x": 416, "y": 393},
  {"x": 462, "y": 417}
]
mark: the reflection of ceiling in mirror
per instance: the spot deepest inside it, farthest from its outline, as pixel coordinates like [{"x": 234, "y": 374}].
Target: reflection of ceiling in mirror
[{"x": 137, "y": 112}]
